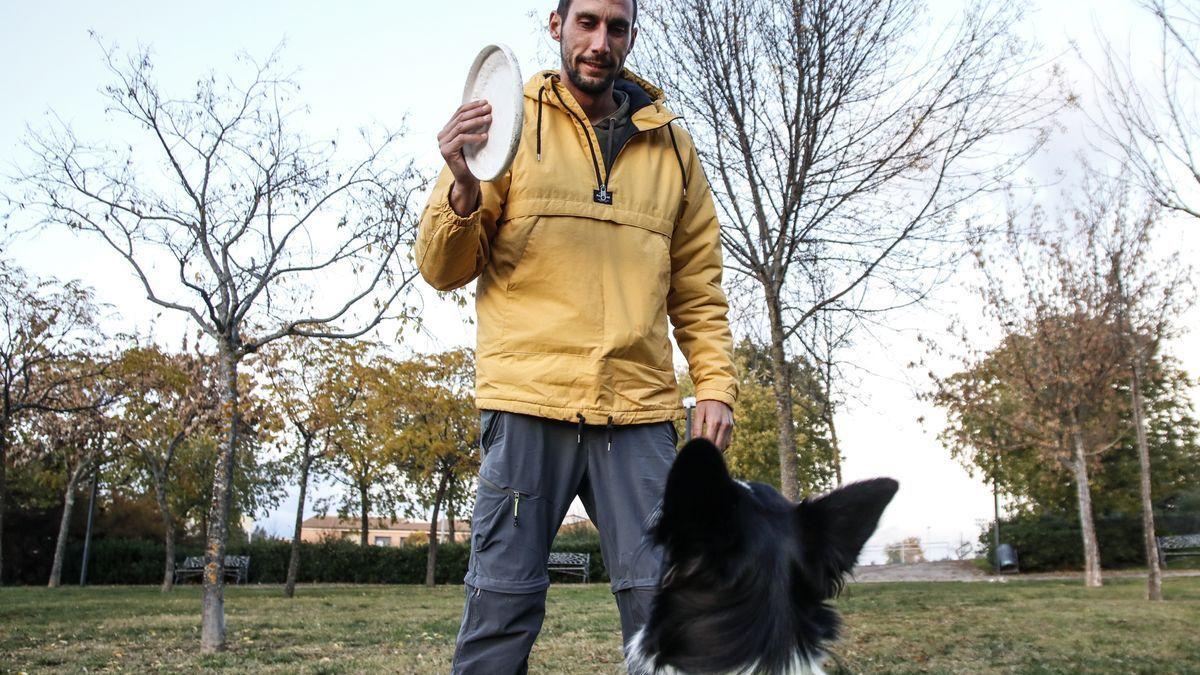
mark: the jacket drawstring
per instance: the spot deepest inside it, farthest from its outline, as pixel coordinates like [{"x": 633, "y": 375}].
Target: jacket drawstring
[
  {"x": 579, "y": 431},
  {"x": 541, "y": 92},
  {"x": 678, "y": 157},
  {"x": 610, "y": 433}
]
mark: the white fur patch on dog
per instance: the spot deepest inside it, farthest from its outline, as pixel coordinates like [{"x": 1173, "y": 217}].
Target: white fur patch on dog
[{"x": 638, "y": 662}]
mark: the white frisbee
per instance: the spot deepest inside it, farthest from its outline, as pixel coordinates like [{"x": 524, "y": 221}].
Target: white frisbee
[{"x": 496, "y": 77}]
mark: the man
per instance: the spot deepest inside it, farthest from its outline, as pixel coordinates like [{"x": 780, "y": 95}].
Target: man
[{"x": 602, "y": 229}]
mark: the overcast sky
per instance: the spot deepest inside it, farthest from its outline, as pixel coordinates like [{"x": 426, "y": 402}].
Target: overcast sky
[{"x": 382, "y": 62}]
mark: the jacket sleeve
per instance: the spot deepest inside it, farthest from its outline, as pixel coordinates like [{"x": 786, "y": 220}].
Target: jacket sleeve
[
  {"x": 696, "y": 302},
  {"x": 452, "y": 250}
]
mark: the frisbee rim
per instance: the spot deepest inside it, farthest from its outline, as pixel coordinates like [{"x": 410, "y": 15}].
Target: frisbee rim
[{"x": 518, "y": 96}]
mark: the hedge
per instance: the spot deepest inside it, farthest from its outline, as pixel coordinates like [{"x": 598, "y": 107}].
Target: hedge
[
  {"x": 1048, "y": 543},
  {"x": 137, "y": 561}
]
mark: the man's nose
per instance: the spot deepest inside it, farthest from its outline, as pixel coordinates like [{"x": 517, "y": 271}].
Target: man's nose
[{"x": 599, "y": 43}]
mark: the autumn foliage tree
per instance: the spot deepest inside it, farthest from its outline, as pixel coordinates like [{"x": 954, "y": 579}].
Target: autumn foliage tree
[
  {"x": 1048, "y": 384},
  {"x": 224, "y": 212},
  {"x": 169, "y": 400},
  {"x": 74, "y": 440},
  {"x": 304, "y": 381},
  {"x": 428, "y": 413},
  {"x": 47, "y": 331},
  {"x": 360, "y": 464}
]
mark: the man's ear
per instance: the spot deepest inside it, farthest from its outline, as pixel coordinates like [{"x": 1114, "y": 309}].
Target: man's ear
[
  {"x": 834, "y": 527},
  {"x": 555, "y": 26},
  {"x": 699, "y": 502}
]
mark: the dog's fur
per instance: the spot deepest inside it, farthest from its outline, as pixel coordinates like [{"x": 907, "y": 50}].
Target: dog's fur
[{"x": 747, "y": 573}]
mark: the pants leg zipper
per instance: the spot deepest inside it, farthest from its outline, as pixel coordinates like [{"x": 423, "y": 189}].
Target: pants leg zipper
[{"x": 516, "y": 498}]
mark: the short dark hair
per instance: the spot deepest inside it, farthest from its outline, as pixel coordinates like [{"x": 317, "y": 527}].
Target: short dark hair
[{"x": 564, "y": 6}]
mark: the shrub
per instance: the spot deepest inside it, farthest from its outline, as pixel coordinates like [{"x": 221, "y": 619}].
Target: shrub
[
  {"x": 140, "y": 561},
  {"x": 1054, "y": 542}
]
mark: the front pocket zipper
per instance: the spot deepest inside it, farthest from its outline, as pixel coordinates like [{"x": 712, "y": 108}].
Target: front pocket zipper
[{"x": 516, "y": 496}]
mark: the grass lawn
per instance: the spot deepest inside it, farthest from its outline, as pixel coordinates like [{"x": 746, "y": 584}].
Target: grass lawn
[{"x": 1027, "y": 627}]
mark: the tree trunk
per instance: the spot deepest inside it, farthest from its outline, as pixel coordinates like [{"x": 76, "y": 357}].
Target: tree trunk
[
  {"x": 60, "y": 546},
  {"x": 168, "y": 521},
  {"x": 3, "y": 487},
  {"x": 781, "y": 382},
  {"x": 364, "y": 514},
  {"x": 212, "y": 636},
  {"x": 1087, "y": 523},
  {"x": 289, "y": 588},
  {"x": 450, "y": 514},
  {"x": 1153, "y": 564},
  {"x": 836, "y": 447},
  {"x": 431, "y": 559}
]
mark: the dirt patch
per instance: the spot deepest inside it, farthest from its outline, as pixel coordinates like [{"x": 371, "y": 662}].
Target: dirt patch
[{"x": 946, "y": 570}]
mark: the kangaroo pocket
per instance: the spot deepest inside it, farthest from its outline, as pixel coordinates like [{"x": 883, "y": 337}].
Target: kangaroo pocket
[
  {"x": 636, "y": 274},
  {"x": 591, "y": 288}
]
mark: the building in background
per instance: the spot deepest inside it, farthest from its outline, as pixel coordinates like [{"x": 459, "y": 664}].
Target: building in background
[{"x": 380, "y": 531}]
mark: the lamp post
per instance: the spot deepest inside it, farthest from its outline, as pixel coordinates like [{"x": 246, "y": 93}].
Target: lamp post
[
  {"x": 689, "y": 404},
  {"x": 87, "y": 536}
]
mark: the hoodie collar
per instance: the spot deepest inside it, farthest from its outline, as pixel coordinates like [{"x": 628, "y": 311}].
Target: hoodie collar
[{"x": 645, "y": 99}]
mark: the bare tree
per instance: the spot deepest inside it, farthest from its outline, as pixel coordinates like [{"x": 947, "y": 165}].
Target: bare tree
[
  {"x": 1153, "y": 124},
  {"x": 1149, "y": 292},
  {"x": 227, "y": 214},
  {"x": 44, "y": 325},
  {"x": 842, "y": 140}
]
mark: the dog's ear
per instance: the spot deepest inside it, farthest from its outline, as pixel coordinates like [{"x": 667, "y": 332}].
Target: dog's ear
[
  {"x": 835, "y": 527},
  {"x": 699, "y": 501}
]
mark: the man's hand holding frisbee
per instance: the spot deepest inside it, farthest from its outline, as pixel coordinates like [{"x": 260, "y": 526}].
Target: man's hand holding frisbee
[{"x": 468, "y": 125}]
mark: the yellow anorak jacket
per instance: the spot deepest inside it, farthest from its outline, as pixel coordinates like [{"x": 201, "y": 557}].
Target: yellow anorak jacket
[{"x": 578, "y": 271}]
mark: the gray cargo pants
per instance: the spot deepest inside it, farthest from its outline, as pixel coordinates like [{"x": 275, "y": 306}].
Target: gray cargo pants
[{"x": 532, "y": 470}]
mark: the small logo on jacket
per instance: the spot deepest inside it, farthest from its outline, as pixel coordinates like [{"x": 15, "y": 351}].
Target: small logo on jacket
[{"x": 602, "y": 196}]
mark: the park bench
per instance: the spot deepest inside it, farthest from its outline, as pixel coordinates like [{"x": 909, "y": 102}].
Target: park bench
[
  {"x": 236, "y": 567},
  {"x": 571, "y": 563},
  {"x": 1178, "y": 546}
]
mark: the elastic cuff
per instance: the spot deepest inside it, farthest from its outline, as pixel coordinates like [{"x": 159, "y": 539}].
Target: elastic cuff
[
  {"x": 451, "y": 219},
  {"x": 716, "y": 395},
  {"x": 506, "y": 586}
]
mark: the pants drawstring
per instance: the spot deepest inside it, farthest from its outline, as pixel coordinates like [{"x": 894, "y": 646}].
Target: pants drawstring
[{"x": 610, "y": 433}]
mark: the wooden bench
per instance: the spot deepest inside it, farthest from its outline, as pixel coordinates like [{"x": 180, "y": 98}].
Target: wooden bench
[
  {"x": 236, "y": 567},
  {"x": 579, "y": 564},
  {"x": 1178, "y": 546}
]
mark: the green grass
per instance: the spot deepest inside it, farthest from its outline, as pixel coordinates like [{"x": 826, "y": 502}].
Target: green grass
[{"x": 1025, "y": 627}]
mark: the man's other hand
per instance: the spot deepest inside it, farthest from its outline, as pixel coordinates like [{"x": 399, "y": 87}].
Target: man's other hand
[
  {"x": 468, "y": 125},
  {"x": 713, "y": 420}
]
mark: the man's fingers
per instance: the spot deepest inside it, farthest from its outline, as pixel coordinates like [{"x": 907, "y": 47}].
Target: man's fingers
[
  {"x": 465, "y": 114},
  {"x": 726, "y": 437},
  {"x": 460, "y": 140}
]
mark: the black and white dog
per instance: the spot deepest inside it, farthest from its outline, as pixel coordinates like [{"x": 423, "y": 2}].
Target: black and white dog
[{"x": 747, "y": 573}]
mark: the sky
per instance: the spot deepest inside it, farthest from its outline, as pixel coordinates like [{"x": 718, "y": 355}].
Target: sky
[{"x": 394, "y": 63}]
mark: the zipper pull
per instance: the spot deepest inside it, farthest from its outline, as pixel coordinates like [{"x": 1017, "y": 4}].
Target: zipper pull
[{"x": 516, "y": 506}]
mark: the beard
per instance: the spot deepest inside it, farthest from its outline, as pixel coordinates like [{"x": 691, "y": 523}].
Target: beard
[{"x": 589, "y": 84}]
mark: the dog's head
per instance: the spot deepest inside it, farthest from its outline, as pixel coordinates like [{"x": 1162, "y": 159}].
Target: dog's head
[{"x": 747, "y": 573}]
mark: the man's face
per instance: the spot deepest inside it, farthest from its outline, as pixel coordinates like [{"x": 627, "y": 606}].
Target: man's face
[{"x": 595, "y": 38}]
